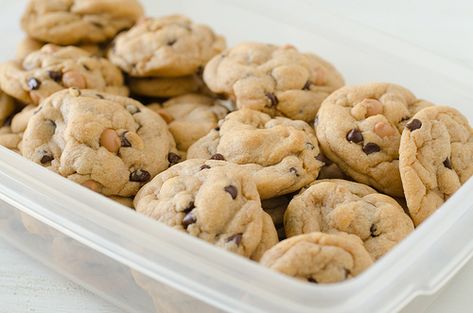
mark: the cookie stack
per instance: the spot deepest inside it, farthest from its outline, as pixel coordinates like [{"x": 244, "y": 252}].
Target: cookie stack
[
  {"x": 309, "y": 177},
  {"x": 164, "y": 57}
]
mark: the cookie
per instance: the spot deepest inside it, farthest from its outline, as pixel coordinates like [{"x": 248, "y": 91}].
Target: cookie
[
  {"x": 170, "y": 46},
  {"x": 110, "y": 144},
  {"x": 213, "y": 200},
  {"x": 29, "y": 45},
  {"x": 279, "y": 81},
  {"x": 359, "y": 128},
  {"x": 54, "y": 68},
  {"x": 70, "y": 22},
  {"x": 318, "y": 257},
  {"x": 436, "y": 158},
  {"x": 339, "y": 205},
  {"x": 282, "y": 153},
  {"x": 190, "y": 117},
  {"x": 12, "y": 134},
  {"x": 164, "y": 87},
  {"x": 7, "y": 107}
]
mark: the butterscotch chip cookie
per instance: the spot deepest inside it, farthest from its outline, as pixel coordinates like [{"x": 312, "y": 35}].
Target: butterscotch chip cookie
[
  {"x": 436, "y": 158},
  {"x": 190, "y": 117},
  {"x": 213, "y": 200},
  {"x": 318, "y": 257},
  {"x": 339, "y": 205},
  {"x": 359, "y": 128},
  {"x": 164, "y": 87},
  {"x": 110, "y": 144},
  {"x": 29, "y": 45},
  {"x": 275, "y": 80},
  {"x": 282, "y": 153},
  {"x": 170, "y": 46},
  {"x": 54, "y": 68},
  {"x": 69, "y": 22}
]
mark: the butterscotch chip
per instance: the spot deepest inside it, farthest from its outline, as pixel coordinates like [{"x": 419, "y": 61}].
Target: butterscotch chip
[{"x": 114, "y": 142}]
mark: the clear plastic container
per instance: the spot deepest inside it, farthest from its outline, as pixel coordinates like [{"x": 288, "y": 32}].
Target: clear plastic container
[{"x": 143, "y": 266}]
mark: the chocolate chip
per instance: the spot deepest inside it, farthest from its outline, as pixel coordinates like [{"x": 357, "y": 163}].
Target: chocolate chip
[
  {"x": 86, "y": 67},
  {"x": 217, "y": 128},
  {"x": 173, "y": 158},
  {"x": 190, "y": 207},
  {"x": 405, "y": 118},
  {"x": 307, "y": 85},
  {"x": 140, "y": 176},
  {"x": 355, "y": 136},
  {"x": 100, "y": 96},
  {"x": 205, "y": 166},
  {"x": 46, "y": 158},
  {"x": 132, "y": 109},
  {"x": 414, "y": 124},
  {"x": 171, "y": 42},
  {"x": 217, "y": 156},
  {"x": 371, "y": 148},
  {"x": 347, "y": 273},
  {"x": 373, "y": 230},
  {"x": 55, "y": 75},
  {"x": 232, "y": 190},
  {"x": 124, "y": 142},
  {"x": 188, "y": 219},
  {"x": 236, "y": 238},
  {"x": 322, "y": 158},
  {"x": 272, "y": 97},
  {"x": 33, "y": 83},
  {"x": 294, "y": 170},
  {"x": 312, "y": 280},
  {"x": 447, "y": 163}
]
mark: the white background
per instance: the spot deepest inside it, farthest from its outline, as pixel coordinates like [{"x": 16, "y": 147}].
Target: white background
[{"x": 443, "y": 27}]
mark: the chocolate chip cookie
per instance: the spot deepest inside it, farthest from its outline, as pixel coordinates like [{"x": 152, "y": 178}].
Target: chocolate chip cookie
[
  {"x": 359, "y": 128},
  {"x": 54, "y": 68},
  {"x": 164, "y": 87},
  {"x": 436, "y": 158},
  {"x": 12, "y": 134},
  {"x": 170, "y": 46},
  {"x": 318, "y": 257},
  {"x": 282, "y": 153},
  {"x": 213, "y": 200},
  {"x": 69, "y": 22},
  {"x": 275, "y": 80},
  {"x": 190, "y": 117},
  {"x": 339, "y": 205},
  {"x": 111, "y": 144}
]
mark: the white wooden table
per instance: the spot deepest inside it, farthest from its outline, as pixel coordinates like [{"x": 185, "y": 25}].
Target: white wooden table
[{"x": 444, "y": 27}]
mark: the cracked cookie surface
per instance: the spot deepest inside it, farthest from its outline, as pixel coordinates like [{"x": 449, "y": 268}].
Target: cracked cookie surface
[
  {"x": 69, "y": 22},
  {"x": 190, "y": 117},
  {"x": 339, "y": 205},
  {"x": 436, "y": 158},
  {"x": 110, "y": 144},
  {"x": 54, "y": 68},
  {"x": 281, "y": 153},
  {"x": 279, "y": 81},
  {"x": 319, "y": 257},
  {"x": 170, "y": 46},
  {"x": 359, "y": 128},
  {"x": 213, "y": 200}
]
